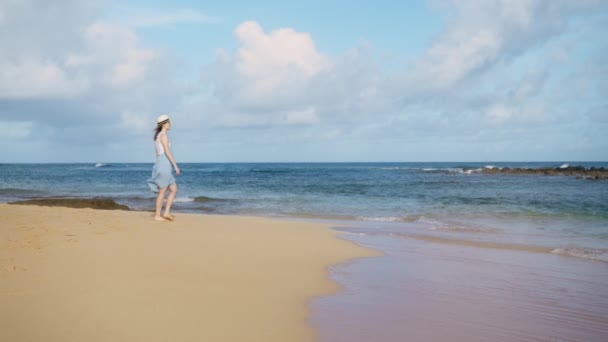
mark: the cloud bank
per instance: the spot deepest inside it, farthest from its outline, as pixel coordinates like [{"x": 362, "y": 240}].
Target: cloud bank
[{"x": 520, "y": 79}]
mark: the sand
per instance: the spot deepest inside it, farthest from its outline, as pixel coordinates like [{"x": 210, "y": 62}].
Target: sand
[{"x": 99, "y": 275}]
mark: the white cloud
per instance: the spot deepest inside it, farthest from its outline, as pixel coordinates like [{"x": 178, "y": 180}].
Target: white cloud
[
  {"x": 116, "y": 52},
  {"x": 33, "y": 43},
  {"x": 456, "y": 56},
  {"x": 47, "y": 57},
  {"x": 281, "y": 71},
  {"x": 280, "y": 78},
  {"x": 484, "y": 33},
  {"x": 36, "y": 79},
  {"x": 78, "y": 78},
  {"x": 267, "y": 61}
]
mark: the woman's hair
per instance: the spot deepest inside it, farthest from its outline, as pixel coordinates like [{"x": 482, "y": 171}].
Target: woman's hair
[{"x": 157, "y": 130}]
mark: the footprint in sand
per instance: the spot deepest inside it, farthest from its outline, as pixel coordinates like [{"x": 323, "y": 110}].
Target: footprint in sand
[{"x": 14, "y": 268}]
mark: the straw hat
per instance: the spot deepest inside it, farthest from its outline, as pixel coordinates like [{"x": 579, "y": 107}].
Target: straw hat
[{"x": 162, "y": 118}]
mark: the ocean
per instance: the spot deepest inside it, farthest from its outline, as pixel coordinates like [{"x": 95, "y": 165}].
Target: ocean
[{"x": 453, "y": 236}]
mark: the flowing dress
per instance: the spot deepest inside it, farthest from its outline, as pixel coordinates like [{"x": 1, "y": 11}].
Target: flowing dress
[{"x": 162, "y": 172}]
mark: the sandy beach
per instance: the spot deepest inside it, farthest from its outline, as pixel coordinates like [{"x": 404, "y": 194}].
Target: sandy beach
[{"x": 108, "y": 275}]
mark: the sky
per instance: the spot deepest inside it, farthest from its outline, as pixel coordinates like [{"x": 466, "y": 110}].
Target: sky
[{"x": 304, "y": 81}]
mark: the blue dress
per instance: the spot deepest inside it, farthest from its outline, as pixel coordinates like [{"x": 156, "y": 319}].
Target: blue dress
[{"x": 162, "y": 172}]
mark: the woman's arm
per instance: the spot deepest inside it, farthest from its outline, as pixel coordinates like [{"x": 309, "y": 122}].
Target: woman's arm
[{"x": 165, "y": 142}]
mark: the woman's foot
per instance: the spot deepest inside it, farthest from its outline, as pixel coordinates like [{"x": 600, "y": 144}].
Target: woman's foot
[
  {"x": 169, "y": 217},
  {"x": 160, "y": 218}
]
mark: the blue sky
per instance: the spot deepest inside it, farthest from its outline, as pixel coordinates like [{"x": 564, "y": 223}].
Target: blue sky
[{"x": 276, "y": 81}]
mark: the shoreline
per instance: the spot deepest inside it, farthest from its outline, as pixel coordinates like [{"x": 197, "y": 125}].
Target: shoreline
[
  {"x": 113, "y": 276},
  {"x": 335, "y": 224}
]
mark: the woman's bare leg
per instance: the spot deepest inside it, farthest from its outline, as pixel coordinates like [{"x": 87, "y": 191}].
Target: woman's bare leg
[
  {"x": 170, "y": 198},
  {"x": 159, "y": 204}
]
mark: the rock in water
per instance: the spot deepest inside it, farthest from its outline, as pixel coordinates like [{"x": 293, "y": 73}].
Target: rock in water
[
  {"x": 93, "y": 203},
  {"x": 564, "y": 170}
]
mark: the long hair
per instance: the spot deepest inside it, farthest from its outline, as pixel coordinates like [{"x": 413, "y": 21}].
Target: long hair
[{"x": 157, "y": 130}]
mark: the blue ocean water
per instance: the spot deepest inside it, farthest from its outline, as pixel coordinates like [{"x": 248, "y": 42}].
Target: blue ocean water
[{"x": 436, "y": 199}]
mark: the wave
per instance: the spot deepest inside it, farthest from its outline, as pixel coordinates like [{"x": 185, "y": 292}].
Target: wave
[
  {"x": 100, "y": 165},
  {"x": 471, "y": 171},
  {"x": 487, "y": 200},
  {"x": 592, "y": 254},
  {"x": 430, "y": 223},
  {"x": 198, "y": 199},
  {"x": 183, "y": 199},
  {"x": 462, "y": 229},
  {"x": 396, "y": 168},
  {"x": 441, "y": 226},
  {"x": 387, "y": 218},
  {"x": 454, "y": 170}
]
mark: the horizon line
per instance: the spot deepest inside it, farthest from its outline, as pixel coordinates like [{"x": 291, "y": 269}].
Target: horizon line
[{"x": 317, "y": 162}]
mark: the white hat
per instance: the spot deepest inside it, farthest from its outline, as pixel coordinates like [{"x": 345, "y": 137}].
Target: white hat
[{"x": 162, "y": 118}]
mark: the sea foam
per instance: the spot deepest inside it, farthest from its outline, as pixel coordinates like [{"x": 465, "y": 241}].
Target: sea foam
[{"x": 590, "y": 254}]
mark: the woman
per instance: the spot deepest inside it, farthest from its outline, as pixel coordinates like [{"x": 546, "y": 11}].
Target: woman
[{"x": 162, "y": 178}]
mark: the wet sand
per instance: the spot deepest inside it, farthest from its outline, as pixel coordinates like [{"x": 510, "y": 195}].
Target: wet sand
[
  {"x": 96, "y": 275},
  {"x": 430, "y": 289}
]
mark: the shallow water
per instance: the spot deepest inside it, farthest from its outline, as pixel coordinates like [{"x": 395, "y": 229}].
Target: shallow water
[{"x": 432, "y": 291}]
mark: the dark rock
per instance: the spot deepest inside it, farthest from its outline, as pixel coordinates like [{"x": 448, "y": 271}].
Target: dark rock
[
  {"x": 577, "y": 171},
  {"x": 93, "y": 203}
]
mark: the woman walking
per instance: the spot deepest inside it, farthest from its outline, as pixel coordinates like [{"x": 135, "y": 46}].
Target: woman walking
[{"x": 162, "y": 177}]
